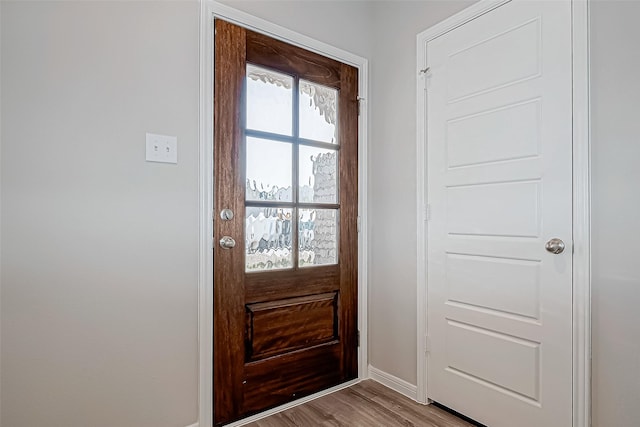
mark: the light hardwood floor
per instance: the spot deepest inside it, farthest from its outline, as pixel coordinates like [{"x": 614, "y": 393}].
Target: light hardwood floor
[{"x": 366, "y": 404}]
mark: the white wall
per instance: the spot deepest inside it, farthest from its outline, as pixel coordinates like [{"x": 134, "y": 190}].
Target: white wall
[
  {"x": 615, "y": 95},
  {"x": 392, "y": 279},
  {"x": 99, "y": 248}
]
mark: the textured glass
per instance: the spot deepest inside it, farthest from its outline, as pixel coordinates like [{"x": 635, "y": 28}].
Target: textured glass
[
  {"x": 318, "y": 108},
  {"x": 269, "y": 170},
  {"x": 268, "y": 238},
  {"x": 318, "y": 175},
  {"x": 269, "y": 101},
  {"x": 317, "y": 237}
]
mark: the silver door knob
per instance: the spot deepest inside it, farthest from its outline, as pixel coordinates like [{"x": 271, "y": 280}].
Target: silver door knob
[
  {"x": 227, "y": 242},
  {"x": 226, "y": 214},
  {"x": 555, "y": 246}
]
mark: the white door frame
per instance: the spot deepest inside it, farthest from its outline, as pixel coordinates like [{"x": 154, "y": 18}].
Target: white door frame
[
  {"x": 581, "y": 201},
  {"x": 208, "y": 11}
]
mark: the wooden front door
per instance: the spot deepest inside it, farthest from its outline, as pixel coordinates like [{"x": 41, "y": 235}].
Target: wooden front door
[{"x": 285, "y": 295}]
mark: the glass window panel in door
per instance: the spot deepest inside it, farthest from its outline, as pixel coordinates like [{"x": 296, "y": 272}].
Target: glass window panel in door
[
  {"x": 318, "y": 108},
  {"x": 318, "y": 175},
  {"x": 268, "y": 238},
  {"x": 317, "y": 237},
  {"x": 269, "y": 170},
  {"x": 269, "y": 101}
]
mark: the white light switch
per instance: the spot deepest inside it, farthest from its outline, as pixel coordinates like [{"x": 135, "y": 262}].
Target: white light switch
[{"x": 162, "y": 148}]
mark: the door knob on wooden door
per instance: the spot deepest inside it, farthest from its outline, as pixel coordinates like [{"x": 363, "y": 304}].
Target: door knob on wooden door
[
  {"x": 555, "y": 246},
  {"x": 227, "y": 242},
  {"x": 226, "y": 214}
]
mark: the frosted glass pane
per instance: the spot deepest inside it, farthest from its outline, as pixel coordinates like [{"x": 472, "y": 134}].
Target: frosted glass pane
[
  {"x": 269, "y": 101},
  {"x": 268, "y": 170},
  {"x": 268, "y": 239},
  {"x": 317, "y": 237},
  {"x": 318, "y": 108},
  {"x": 318, "y": 175}
]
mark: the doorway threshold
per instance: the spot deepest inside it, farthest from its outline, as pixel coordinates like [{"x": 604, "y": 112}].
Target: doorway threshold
[{"x": 293, "y": 404}]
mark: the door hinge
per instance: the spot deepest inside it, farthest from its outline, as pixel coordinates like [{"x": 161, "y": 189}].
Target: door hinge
[
  {"x": 427, "y": 212},
  {"x": 358, "y": 337},
  {"x": 359, "y": 224},
  {"x": 427, "y": 344},
  {"x": 425, "y": 73},
  {"x": 359, "y": 99}
]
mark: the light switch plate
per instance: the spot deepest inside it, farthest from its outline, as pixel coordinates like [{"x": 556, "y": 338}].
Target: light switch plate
[{"x": 162, "y": 148}]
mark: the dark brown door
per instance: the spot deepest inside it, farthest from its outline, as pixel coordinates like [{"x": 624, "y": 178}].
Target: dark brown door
[{"x": 285, "y": 296}]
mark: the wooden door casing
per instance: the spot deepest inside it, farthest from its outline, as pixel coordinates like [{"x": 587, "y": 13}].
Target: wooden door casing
[{"x": 278, "y": 335}]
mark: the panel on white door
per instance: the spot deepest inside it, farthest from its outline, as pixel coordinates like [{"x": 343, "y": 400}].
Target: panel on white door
[
  {"x": 494, "y": 209},
  {"x": 482, "y": 138},
  {"x": 494, "y": 283},
  {"x": 499, "y": 186},
  {"x": 501, "y": 362},
  {"x": 485, "y": 58}
]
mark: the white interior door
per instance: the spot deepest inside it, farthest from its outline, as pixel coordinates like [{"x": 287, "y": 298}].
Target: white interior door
[{"x": 499, "y": 188}]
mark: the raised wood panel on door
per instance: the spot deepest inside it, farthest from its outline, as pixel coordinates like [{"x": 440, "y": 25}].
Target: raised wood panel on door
[
  {"x": 280, "y": 326},
  {"x": 499, "y": 186},
  {"x": 279, "y": 335}
]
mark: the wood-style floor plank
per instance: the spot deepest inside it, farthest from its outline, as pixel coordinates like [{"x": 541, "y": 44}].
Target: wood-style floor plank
[{"x": 366, "y": 404}]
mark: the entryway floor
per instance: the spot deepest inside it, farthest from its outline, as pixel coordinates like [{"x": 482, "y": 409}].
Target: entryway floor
[{"x": 366, "y": 404}]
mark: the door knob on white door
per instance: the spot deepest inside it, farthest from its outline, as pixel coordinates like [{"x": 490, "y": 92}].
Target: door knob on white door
[
  {"x": 555, "y": 246},
  {"x": 227, "y": 242}
]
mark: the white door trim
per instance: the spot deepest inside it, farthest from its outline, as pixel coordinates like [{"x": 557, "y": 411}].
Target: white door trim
[
  {"x": 208, "y": 11},
  {"x": 581, "y": 215},
  {"x": 581, "y": 201}
]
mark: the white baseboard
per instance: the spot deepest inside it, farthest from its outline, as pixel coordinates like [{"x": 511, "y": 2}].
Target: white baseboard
[
  {"x": 194, "y": 425},
  {"x": 394, "y": 383}
]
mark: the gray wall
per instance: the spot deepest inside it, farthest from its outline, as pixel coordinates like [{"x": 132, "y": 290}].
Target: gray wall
[
  {"x": 392, "y": 213},
  {"x": 615, "y": 62},
  {"x": 99, "y": 248}
]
